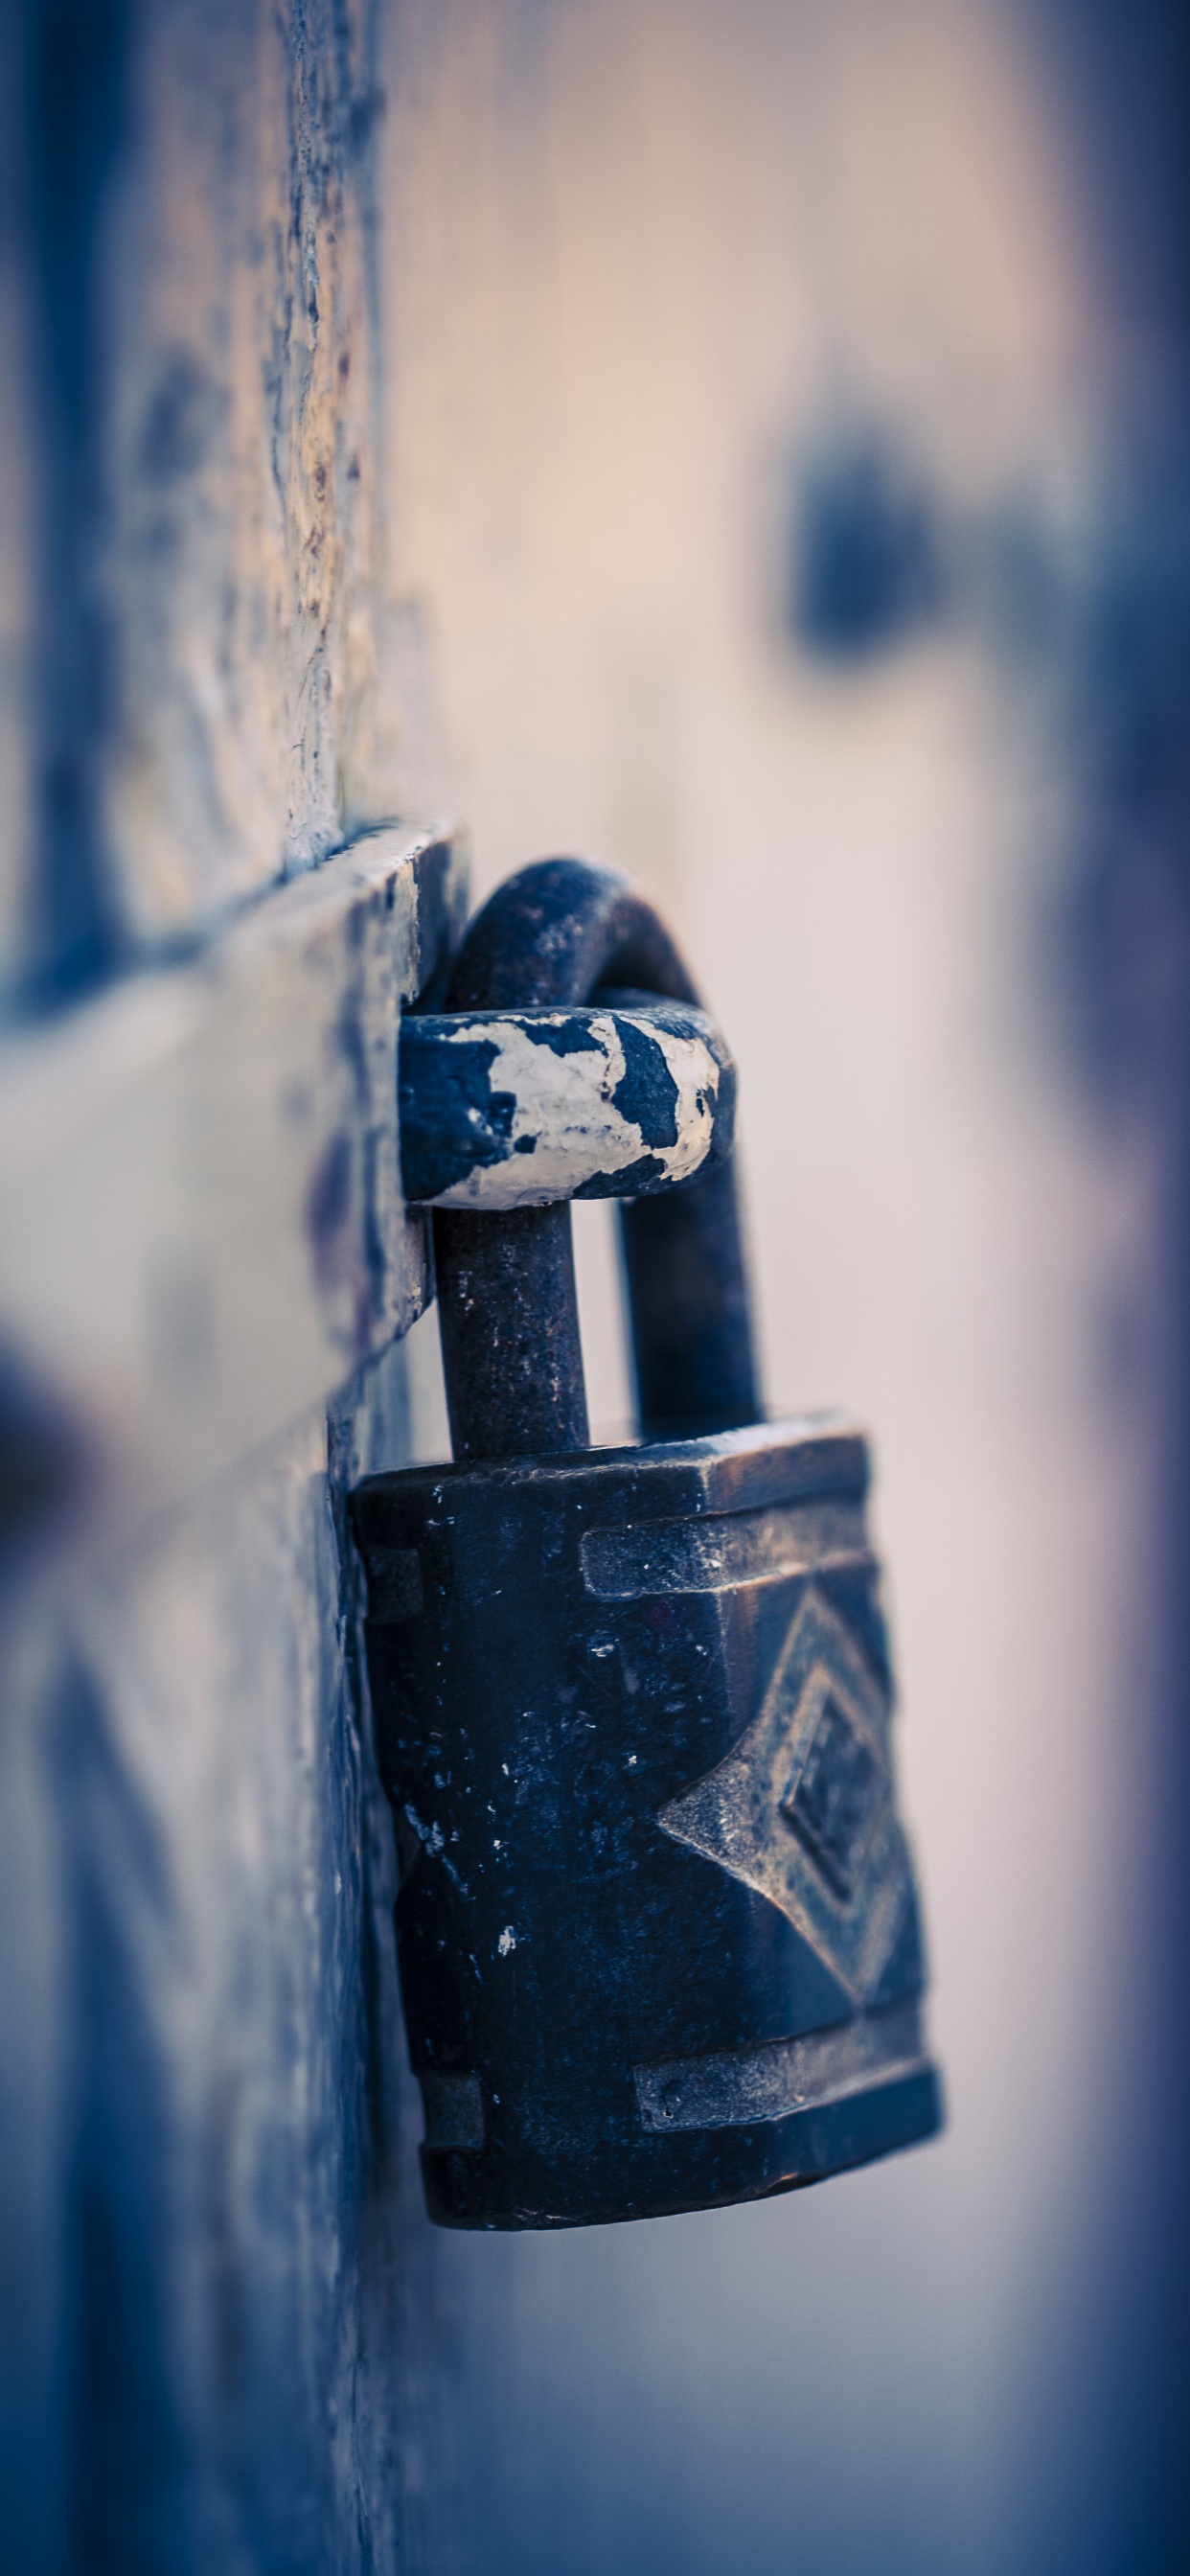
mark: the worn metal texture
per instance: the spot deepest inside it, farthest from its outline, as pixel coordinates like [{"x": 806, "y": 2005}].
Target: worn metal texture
[
  {"x": 657, "y": 1924},
  {"x": 785, "y": 2076},
  {"x": 504, "y": 1109},
  {"x": 513, "y": 1366},
  {"x": 558, "y": 932}
]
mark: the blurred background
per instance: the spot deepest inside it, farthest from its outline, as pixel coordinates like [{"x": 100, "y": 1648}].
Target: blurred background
[
  {"x": 788, "y": 463},
  {"x": 780, "y": 490}
]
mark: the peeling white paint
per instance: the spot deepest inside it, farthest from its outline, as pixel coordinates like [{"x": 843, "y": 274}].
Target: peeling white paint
[{"x": 566, "y": 1130}]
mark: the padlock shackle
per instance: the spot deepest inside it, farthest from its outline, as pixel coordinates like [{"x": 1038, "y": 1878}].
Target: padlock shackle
[{"x": 556, "y": 934}]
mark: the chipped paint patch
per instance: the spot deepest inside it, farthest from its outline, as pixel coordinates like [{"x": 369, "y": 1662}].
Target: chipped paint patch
[{"x": 507, "y": 1110}]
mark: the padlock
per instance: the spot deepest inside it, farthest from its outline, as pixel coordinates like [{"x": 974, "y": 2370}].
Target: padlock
[{"x": 657, "y": 1925}]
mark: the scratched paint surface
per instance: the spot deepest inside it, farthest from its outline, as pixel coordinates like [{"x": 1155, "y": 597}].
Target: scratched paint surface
[{"x": 513, "y": 1110}]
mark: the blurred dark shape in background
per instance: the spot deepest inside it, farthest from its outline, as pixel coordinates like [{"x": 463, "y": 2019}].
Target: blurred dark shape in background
[
  {"x": 865, "y": 569},
  {"x": 1101, "y": 627},
  {"x": 1103, "y": 630},
  {"x": 1122, "y": 952},
  {"x": 42, "y": 1465}
]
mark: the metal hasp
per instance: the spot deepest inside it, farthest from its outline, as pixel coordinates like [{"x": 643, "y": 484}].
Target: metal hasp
[
  {"x": 513, "y": 1109},
  {"x": 657, "y": 1925}
]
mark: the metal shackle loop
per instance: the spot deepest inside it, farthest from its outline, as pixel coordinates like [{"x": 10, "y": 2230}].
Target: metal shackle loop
[{"x": 561, "y": 933}]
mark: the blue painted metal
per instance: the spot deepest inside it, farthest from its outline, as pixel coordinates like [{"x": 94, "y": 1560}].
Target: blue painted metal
[{"x": 503, "y": 1109}]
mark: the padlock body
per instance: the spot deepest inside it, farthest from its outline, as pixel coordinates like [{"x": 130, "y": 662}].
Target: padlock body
[{"x": 657, "y": 1927}]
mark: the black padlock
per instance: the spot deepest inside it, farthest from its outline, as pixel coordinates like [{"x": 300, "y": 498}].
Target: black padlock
[{"x": 658, "y": 1933}]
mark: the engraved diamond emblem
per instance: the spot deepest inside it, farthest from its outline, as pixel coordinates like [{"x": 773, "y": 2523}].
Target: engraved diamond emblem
[
  {"x": 833, "y": 1802},
  {"x": 802, "y": 1807}
]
